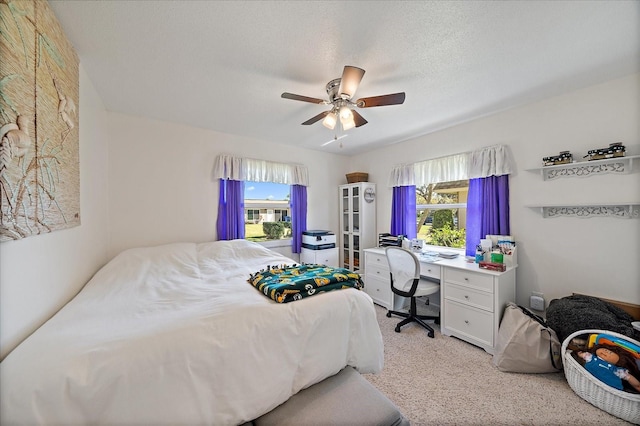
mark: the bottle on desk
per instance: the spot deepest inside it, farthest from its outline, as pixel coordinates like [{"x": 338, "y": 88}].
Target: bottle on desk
[{"x": 479, "y": 254}]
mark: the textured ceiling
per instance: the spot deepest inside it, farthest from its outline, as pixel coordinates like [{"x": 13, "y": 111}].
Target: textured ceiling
[{"x": 223, "y": 65}]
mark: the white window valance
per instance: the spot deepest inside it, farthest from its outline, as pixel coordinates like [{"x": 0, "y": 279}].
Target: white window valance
[
  {"x": 445, "y": 169},
  {"x": 402, "y": 175},
  {"x": 488, "y": 161},
  {"x": 249, "y": 169}
]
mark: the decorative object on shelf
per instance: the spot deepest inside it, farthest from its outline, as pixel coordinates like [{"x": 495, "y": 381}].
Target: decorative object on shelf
[
  {"x": 564, "y": 157},
  {"x": 621, "y": 210},
  {"x": 356, "y": 177},
  {"x": 614, "y": 150}
]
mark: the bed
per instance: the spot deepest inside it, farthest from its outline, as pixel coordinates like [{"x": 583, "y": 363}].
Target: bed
[{"x": 176, "y": 335}]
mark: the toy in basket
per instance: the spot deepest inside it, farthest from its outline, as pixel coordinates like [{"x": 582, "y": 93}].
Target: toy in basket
[{"x": 608, "y": 397}]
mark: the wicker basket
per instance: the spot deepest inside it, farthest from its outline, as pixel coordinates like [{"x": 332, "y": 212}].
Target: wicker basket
[
  {"x": 621, "y": 404},
  {"x": 357, "y": 177}
]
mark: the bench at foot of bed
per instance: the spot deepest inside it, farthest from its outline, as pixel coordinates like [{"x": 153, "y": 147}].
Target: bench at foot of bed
[{"x": 346, "y": 398}]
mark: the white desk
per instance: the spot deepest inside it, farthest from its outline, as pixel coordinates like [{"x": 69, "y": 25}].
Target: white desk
[{"x": 472, "y": 299}]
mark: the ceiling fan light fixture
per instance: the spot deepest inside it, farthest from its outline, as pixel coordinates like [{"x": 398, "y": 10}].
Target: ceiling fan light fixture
[
  {"x": 348, "y": 124},
  {"x": 350, "y": 80},
  {"x": 330, "y": 120},
  {"x": 345, "y": 114}
]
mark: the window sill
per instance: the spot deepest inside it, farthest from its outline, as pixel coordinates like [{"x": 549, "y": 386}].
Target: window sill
[
  {"x": 276, "y": 243},
  {"x": 440, "y": 249}
]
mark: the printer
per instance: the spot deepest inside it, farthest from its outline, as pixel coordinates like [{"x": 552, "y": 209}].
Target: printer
[{"x": 319, "y": 247}]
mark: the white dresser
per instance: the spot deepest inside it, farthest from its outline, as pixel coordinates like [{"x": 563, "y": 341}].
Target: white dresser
[{"x": 472, "y": 300}]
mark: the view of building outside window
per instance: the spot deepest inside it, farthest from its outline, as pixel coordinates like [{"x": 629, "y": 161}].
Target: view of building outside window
[
  {"x": 267, "y": 215},
  {"x": 442, "y": 213}
]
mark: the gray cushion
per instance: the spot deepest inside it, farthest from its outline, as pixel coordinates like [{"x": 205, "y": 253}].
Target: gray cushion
[{"x": 344, "y": 399}]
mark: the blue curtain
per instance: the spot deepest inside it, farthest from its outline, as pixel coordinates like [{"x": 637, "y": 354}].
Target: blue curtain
[
  {"x": 230, "y": 223},
  {"x": 403, "y": 211},
  {"x": 298, "y": 216},
  {"x": 487, "y": 209}
]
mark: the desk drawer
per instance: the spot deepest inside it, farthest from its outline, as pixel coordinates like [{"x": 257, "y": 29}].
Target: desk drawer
[
  {"x": 379, "y": 260},
  {"x": 469, "y": 295},
  {"x": 430, "y": 270},
  {"x": 470, "y": 322},
  {"x": 378, "y": 271},
  {"x": 464, "y": 277},
  {"x": 379, "y": 289}
]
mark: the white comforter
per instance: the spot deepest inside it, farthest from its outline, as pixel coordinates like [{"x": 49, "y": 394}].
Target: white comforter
[{"x": 175, "y": 334}]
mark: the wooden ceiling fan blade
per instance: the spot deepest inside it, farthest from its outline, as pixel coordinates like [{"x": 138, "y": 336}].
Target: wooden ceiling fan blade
[
  {"x": 358, "y": 119},
  {"x": 382, "y": 100},
  {"x": 316, "y": 118},
  {"x": 351, "y": 77},
  {"x": 295, "y": 97}
]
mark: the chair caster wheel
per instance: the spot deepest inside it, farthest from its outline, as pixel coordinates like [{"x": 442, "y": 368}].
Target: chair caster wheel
[
  {"x": 388, "y": 314},
  {"x": 397, "y": 329},
  {"x": 431, "y": 334}
]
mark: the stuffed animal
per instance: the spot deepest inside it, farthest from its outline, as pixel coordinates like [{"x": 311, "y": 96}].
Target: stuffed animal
[{"x": 612, "y": 364}]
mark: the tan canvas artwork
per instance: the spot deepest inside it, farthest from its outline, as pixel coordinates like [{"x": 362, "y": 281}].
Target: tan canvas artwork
[{"x": 39, "y": 94}]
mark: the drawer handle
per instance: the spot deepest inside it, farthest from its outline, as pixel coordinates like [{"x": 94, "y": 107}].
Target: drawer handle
[
  {"x": 428, "y": 270},
  {"x": 466, "y": 279},
  {"x": 466, "y": 297},
  {"x": 378, "y": 272},
  {"x": 466, "y": 321}
]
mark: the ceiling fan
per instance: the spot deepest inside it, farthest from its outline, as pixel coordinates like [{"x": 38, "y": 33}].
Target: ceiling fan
[{"x": 341, "y": 91}]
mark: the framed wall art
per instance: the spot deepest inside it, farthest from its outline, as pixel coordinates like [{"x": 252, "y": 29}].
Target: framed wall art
[{"x": 39, "y": 148}]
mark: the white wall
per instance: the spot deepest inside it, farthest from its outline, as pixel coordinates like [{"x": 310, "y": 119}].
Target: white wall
[
  {"x": 596, "y": 256},
  {"x": 39, "y": 274},
  {"x": 161, "y": 188}
]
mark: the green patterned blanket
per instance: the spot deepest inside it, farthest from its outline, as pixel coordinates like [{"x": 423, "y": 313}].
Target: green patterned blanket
[{"x": 288, "y": 283}]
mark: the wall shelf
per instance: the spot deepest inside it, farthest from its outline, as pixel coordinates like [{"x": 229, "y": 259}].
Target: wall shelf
[
  {"x": 619, "y": 210},
  {"x": 617, "y": 165}
]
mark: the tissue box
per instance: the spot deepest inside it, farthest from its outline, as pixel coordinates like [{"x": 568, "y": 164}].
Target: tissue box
[{"x": 492, "y": 266}]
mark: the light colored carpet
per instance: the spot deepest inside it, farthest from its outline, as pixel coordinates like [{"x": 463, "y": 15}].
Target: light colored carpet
[{"x": 446, "y": 381}]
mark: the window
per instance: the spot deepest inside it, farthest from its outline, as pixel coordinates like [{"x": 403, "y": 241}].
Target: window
[
  {"x": 267, "y": 214},
  {"x": 442, "y": 213},
  {"x": 252, "y": 215},
  {"x": 486, "y": 200}
]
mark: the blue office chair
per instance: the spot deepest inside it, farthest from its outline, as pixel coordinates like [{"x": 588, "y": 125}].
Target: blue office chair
[{"x": 404, "y": 269}]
